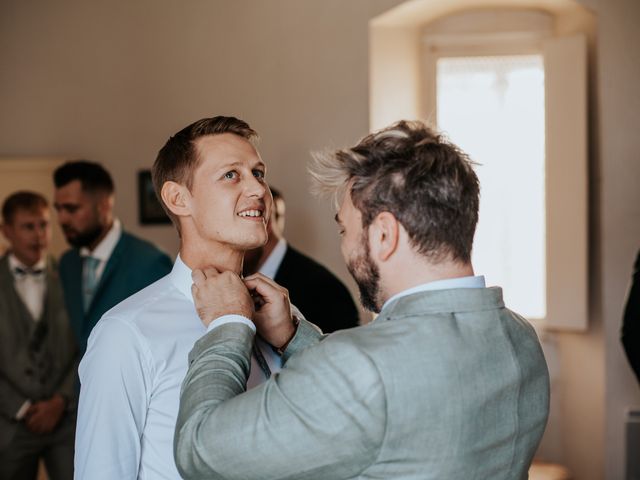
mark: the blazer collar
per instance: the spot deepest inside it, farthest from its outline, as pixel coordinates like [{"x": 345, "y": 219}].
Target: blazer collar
[{"x": 455, "y": 300}]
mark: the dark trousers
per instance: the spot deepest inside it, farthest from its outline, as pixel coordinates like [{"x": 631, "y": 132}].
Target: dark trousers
[{"x": 19, "y": 459}]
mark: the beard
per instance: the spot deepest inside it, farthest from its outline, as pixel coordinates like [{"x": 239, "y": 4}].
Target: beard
[
  {"x": 83, "y": 239},
  {"x": 367, "y": 276}
]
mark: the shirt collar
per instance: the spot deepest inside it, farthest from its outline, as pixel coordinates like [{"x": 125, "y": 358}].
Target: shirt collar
[
  {"x": 181, "y": 278},
  {"x": 105, "y": 248},
  {"x": 272, "y": 263},
  {"x": 15, "y": 263},
  {"x": 449, "y": 283}
]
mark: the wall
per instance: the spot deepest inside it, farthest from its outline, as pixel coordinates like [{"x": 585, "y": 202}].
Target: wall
[
  {"x": 595, "y": 387},
  {"x": 111, "y": 81},
  {"x": 617, "y": 205}
]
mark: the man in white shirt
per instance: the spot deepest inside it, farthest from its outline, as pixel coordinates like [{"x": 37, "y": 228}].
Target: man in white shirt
[
  {"x": 446, "y": 383},
  {"x": 38, "y": 354},
  {"x": 210, "y": 179}
]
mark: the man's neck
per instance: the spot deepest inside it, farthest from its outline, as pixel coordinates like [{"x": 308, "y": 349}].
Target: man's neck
[
  {"x": 201, "y": 256},
  {"x": 254, "y": 264},
  {"x": 418, "y": 273},
  {"x": 268, "y": 249},
  {"x": 103, "y": 233},
  {"x": 26, "y": 262}
]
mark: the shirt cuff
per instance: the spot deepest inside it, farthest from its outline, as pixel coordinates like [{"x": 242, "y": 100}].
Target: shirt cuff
[
  {"x": 233, "y": 318},
  {"x": 22, "y": 411}
]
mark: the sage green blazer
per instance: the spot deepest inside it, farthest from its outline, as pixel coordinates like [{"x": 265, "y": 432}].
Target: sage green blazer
[{"x": 444, "y": 384}]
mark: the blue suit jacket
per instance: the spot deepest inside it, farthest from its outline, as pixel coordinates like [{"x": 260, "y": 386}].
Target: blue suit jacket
[{"x": 133, "y": 265}]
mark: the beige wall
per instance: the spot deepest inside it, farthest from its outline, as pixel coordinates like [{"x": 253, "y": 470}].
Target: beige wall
[
  {"x": 111, "y": 80},
  {"x": 616, "y": 204}
]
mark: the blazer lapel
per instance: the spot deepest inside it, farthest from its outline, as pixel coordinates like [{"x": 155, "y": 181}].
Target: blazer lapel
[{"x": 73, "y": 291}]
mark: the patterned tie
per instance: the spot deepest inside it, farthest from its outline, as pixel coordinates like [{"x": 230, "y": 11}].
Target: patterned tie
[
  {"x": 262, "y": 362},
  {"x": 89, "y": 280}
]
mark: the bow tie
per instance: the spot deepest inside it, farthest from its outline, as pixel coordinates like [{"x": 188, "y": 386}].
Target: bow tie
[{"x": 21, "y": 272}]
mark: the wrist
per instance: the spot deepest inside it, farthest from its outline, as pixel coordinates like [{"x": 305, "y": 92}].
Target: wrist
[
  {"x": 22, "y": 411},
  {"x": 295, "y": 321},
  {"x": 61, "y": 401}
]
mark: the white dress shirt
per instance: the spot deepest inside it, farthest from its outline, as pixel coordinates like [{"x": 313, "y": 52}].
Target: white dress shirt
[
  {"x": 30, "y": 287},
  {"x": 104, "y": 249},
  {"x": 136, "y": 359},
  {"x": 449, "y": 283}
]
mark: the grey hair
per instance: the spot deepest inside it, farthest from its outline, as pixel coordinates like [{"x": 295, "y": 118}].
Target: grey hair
[{"x": 416, "y": 174}]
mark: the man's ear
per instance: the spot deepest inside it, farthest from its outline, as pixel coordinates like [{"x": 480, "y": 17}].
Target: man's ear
[
  {"x": 384, "y": 234},
  {"x": 105, "y": 202},
  {"x": 7, "y": 231},
  {"x": 176, "y": 198}
]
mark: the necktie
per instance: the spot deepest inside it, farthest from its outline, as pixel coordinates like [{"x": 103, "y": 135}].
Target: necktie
[
  {"x": 89, "y": 280},
  {"x": 262, "y": 362}
]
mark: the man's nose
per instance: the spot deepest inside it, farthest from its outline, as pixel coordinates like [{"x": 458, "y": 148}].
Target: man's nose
[
  {"x": 256, "y": 187},
  {"x": 42, "y": 232},
  {"x": 63, "y": 217}
]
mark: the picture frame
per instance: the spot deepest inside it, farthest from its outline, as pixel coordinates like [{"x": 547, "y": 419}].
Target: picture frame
[{"x": 150, "y": 211}]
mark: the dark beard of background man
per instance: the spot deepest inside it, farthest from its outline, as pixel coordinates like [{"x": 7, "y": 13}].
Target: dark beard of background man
[
  {"x": 82, "y": 239},
  {"x": 367, "y": 276}
]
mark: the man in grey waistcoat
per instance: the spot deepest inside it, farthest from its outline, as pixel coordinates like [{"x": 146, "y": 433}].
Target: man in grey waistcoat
[{"x": 38, "y": 354}]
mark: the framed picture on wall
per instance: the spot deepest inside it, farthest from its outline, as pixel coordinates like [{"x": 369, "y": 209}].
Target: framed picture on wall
[{"x": 150, "y": 212}]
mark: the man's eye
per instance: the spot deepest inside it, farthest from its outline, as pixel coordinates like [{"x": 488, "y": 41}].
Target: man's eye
[
  {"x": 258, "y": 174},
  {"x": 341, "y": 231},
  {"x": 231, "y": 175}
]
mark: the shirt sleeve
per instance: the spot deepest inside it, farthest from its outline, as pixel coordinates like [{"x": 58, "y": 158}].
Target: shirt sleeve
[
  {"x": 290, "y": 424},
  {"x": 115, "y": 377},
  {"x": 232, "y": 318}
]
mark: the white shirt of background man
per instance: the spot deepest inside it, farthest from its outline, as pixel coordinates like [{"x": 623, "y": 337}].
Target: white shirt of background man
[{"x": 30, "y": 287}]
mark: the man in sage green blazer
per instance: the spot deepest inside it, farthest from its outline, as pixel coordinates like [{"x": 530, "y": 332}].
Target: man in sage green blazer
[{"x": 446, "y": 383}]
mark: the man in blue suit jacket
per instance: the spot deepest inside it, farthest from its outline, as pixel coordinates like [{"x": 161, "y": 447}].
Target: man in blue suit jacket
[{"x": 106, "y": 264}]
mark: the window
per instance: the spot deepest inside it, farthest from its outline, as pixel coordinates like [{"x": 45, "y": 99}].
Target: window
[
  {"x": 493, "y": 108},
  {"x": 418, "y": 58}
]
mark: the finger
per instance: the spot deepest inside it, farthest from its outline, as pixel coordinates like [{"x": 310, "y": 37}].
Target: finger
[
  {"x": 210, "y": 272},
  {"x": 261, "y": 284},
  {"x": 267, "y": 289},
  {"x": 198, "y": 277},
  {"x": 262, "y": 278},
  {"x": 32, "y": 423}
]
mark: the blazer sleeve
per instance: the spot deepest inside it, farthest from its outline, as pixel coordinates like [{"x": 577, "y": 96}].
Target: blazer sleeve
[
  {"x": 112, "y": 411},
  {"x": 68, "y": 384},
  {"x": 286, "y": 428},
  {"x": 631, "y": 321},
  {"x": 10, "y": 399}
]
